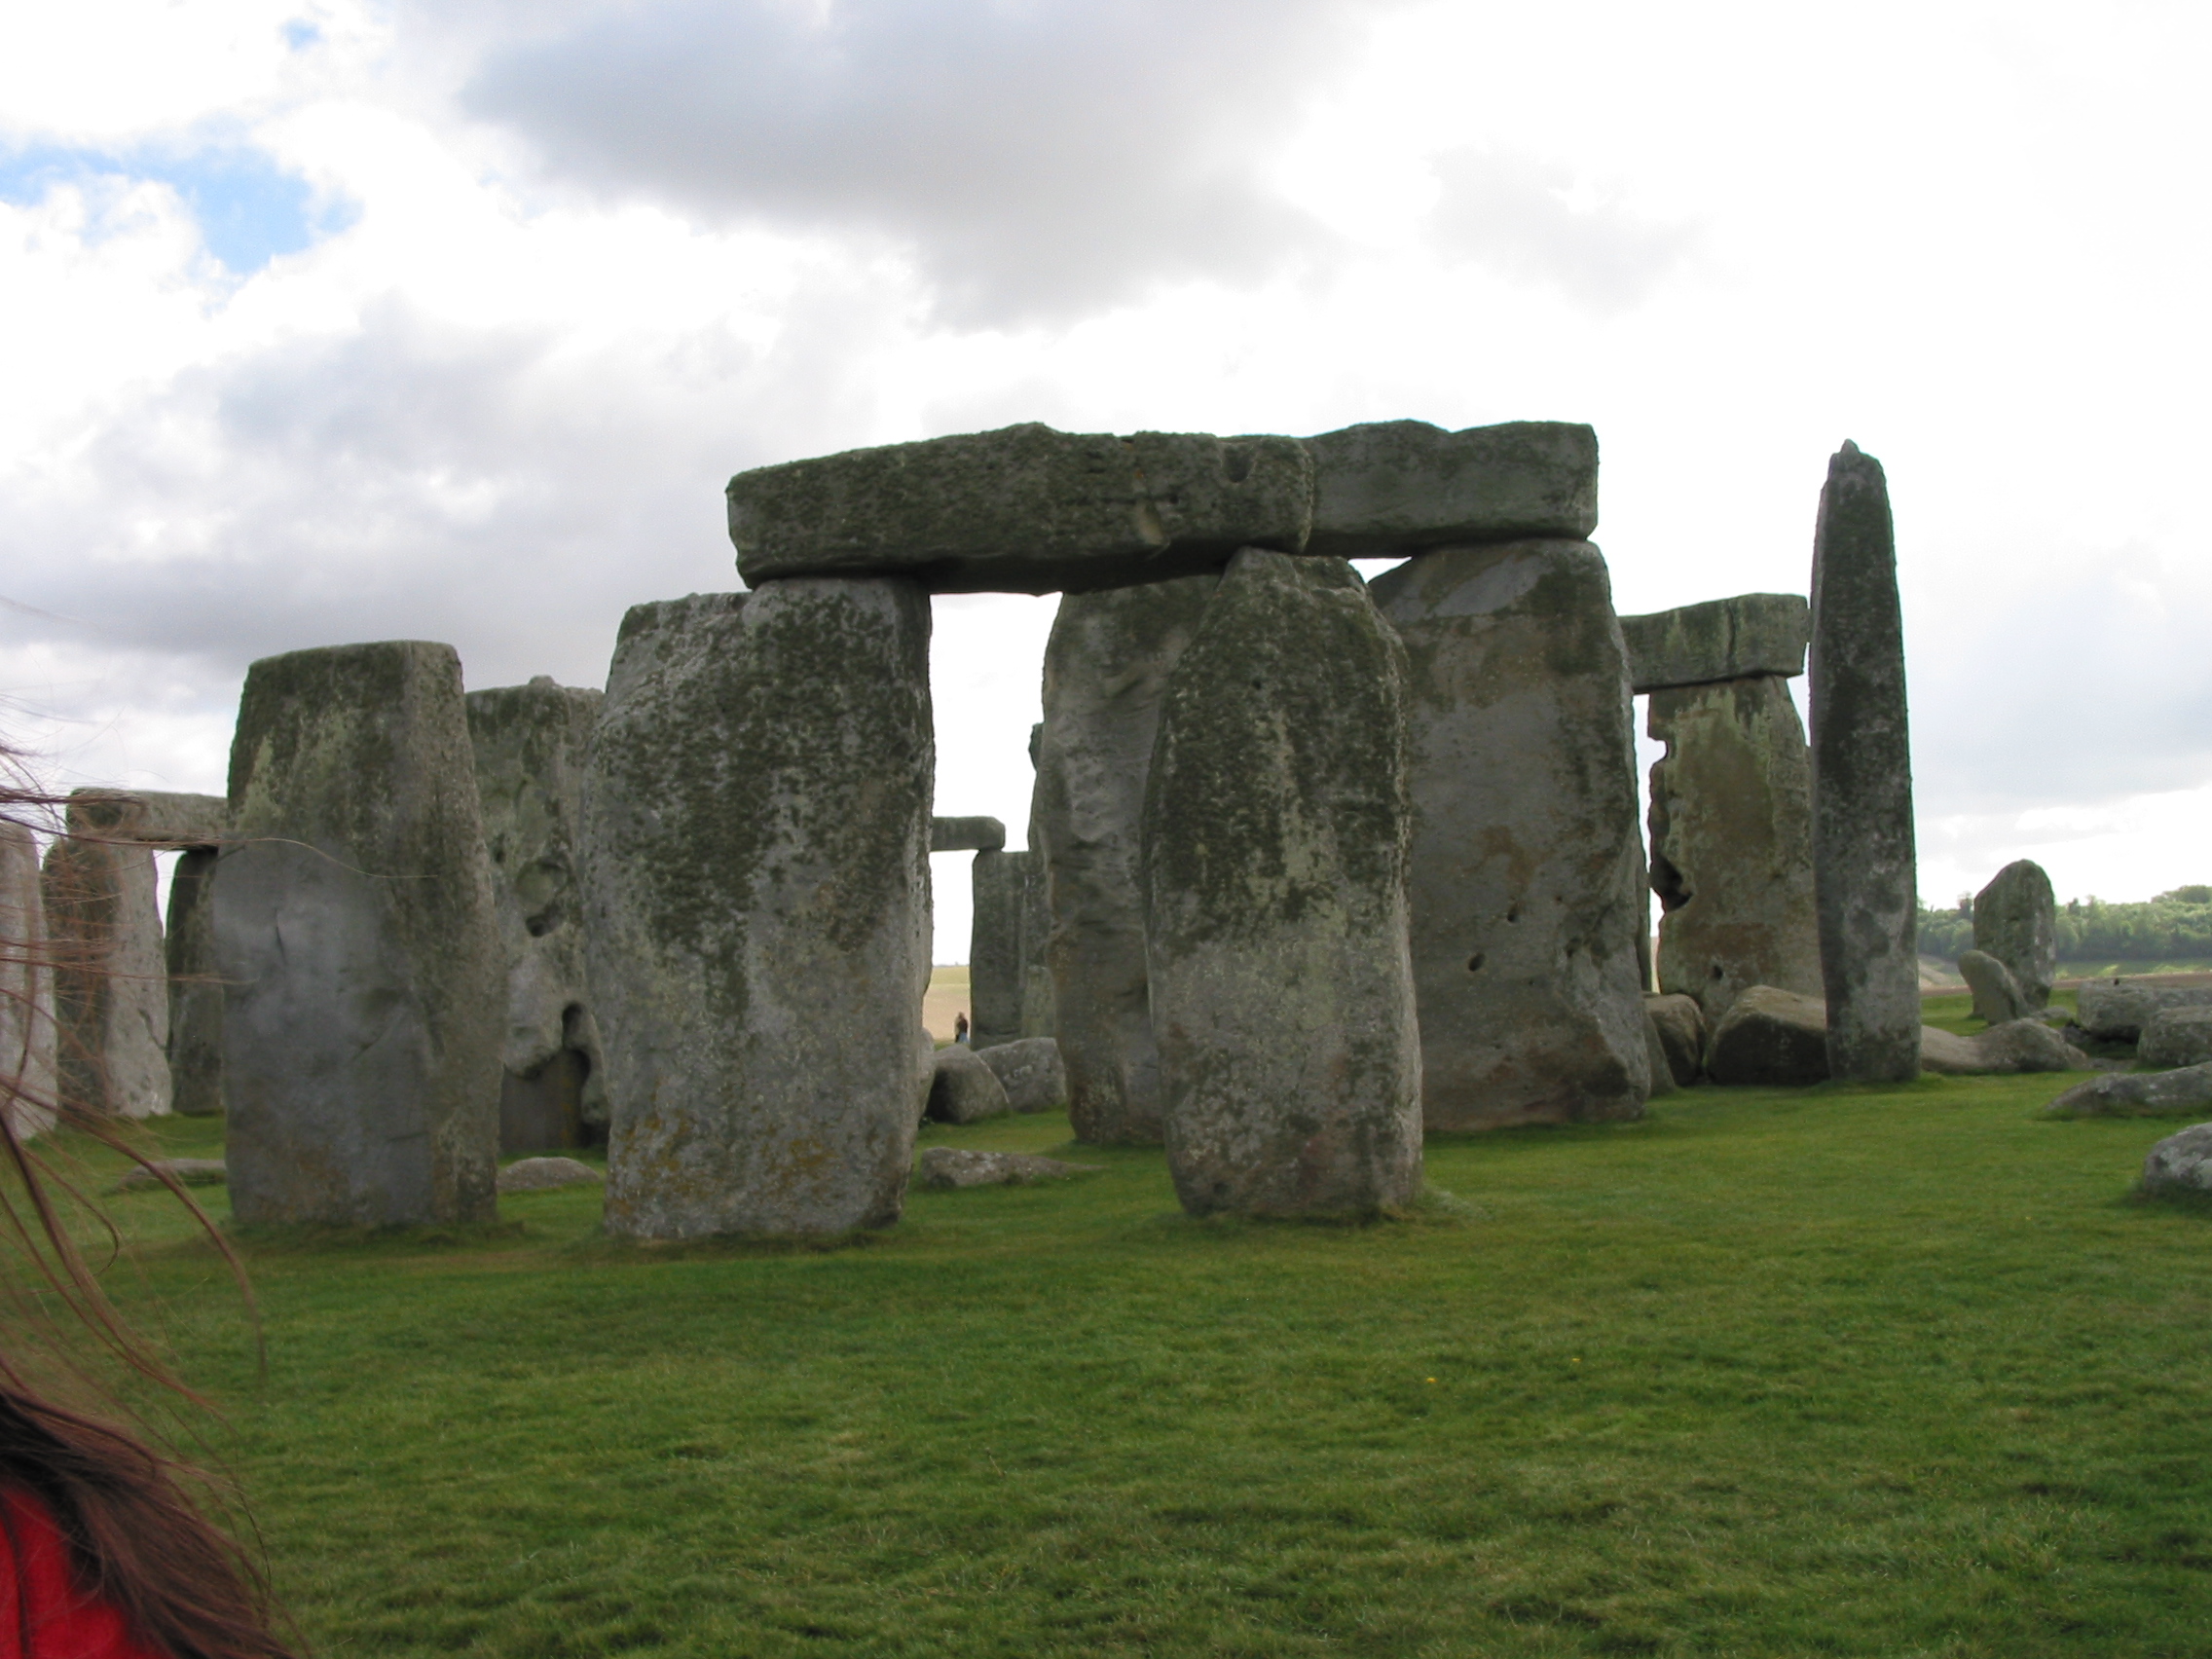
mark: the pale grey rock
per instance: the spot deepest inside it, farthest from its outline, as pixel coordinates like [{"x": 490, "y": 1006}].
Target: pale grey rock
[
  {"x": 2177, "y": 1037},
  {"x": 1276, "y": 829},
  {"x": 185, "y": 1171},
  {"x": 1655, "y": 1051},
  {"x": 1039, "y": 1016},
  {"x": 1682, "y": 1029},
  {"x": 2180, "y": 1164},
  {"x": 2118, "y": 1010},
  {"x": 945, "y": 1167},
  {"x": 1753, "y": 635},
  {"x": 966, "y": 834},
  {"x": 530, "y": 744},
  {"x": 2137, "y": 1094},
  {"x": 26, "y": 987},
  {"x": 1997, "y": 995},
  {"x": 999, "y": 883},
  {"x": 2015, "y": 919},
  {"x": 1732, "y": 843},
  {"x": 1023, "y": 509},
  {"x": 359, "y": 944},
  {"x": 1029, "y": 1069},
  {"x": 963, "y": 1090},
  {"x": 1770, "y": 1036},
  {"x": 2023, "y": 1045},
  {"x": 152, "y": 817},
  {"x": 1400, "y": 486},
  {"x": 755, "y": 879},
  {"x": 1106, "y": 667},
  {"x": 1528, "y": 878},
  {"x": 195, "y": 987},
  {"x": 111, "y": 996},
  {"x": 542, "y": 1174},
  {"x": 924, "y": 1073},
  {"x": 1864, "y": 870}
]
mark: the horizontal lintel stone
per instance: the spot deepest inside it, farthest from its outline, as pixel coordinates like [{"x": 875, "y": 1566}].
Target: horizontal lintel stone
[
  {"x": 966, "y": 836},
  {"x": 157, "y": 817},
  {"x": 1722, "y": 639},
  {"x": 1393, "y": 486}
]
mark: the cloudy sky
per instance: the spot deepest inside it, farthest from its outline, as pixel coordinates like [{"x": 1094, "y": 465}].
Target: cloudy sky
[{"x": 328, "y": 321}]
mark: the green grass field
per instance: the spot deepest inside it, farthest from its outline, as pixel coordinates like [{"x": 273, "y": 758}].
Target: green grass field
[{"x": 1833, "y": 1372}]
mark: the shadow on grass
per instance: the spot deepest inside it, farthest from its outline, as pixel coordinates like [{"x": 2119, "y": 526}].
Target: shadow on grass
[{"x": 2171, "y": 1200}]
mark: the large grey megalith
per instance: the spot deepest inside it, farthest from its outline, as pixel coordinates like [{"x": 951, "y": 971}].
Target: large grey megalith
[
  {"x": 26, "y": 984},
  {"x": 2015, "y": 919},
  {"x": 755, "y": 876},
  {"x": 358, "y": 940}
]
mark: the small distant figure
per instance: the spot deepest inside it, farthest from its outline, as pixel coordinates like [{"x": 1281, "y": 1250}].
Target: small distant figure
[{"x": 959, "y": 1028}]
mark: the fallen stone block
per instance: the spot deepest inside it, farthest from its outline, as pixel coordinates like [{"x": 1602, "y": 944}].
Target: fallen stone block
[
  {"x": 1390, "y": 487},
  {"x": 944, "y": 1167},
  {"x": 963, "y": 1090},
  {"x": 2177, "y": 1037},
  {"x": 2024, "y": 1045},
  {"x": 1662, "y": 1074},
  {"x": 539, "y": 1174},
  {"x": 1772, "y": 1037},
  {"x": 1681, "y": 1027},
  {"x": 2136, "y": 1094},
  {"x": 1723, "y": 638},
  {"x": 186, "y": 1172},
  {"x": 1030, "y": 1072},
  {"x": 1997, "y": 994},
  {"x": 2118, "y": 1011},
  {"x": 2180, "y": 1164}
]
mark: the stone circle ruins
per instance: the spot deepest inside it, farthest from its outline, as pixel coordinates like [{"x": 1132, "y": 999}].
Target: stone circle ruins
[{"x": 1313, "y": 865}]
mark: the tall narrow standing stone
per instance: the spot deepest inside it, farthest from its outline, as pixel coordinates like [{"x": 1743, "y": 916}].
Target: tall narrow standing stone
[
  {"x": 356, "y": 937},
  {"x": 1863, "y": 867},
  {"x": 1038, "y": 1017},
  {"x": 26, "y": 984},
  {"x": 111, "y": 992},
  {"x": 994, "y": 946},
  {"x": 1732, "y": 843},
  {"x": 2015, "y": 919},
  {"x": 1276, "y": 829},
  {"x": 1527, "y": 876},
  {"x": 1106, "y": 667},
  {"x": 757, "y": 831},
  {"x": 530, "y": 742},
  {"x": 195, "y": 987}
]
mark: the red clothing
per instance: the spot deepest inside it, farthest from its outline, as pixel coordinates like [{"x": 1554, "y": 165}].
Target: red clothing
[{"x": 43, "y": 1614}]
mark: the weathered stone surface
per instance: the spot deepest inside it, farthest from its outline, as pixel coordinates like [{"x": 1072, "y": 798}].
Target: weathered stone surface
[
  {"x": 2180, "y": 1164},
  {"x": 1276, "y": 830},
  {"x": 1865, "y": 870},
  {"x": 2015, "y": 919},
  {"x": 997, "y": 887},
  {"x": 756, "y": 877},
  {"x": 2118, "y": 1010},
  {"x": 2016, "y": 1046},
  {"x": 1029, "y": 1069},
  {"x": 111, "y": 997},
  {"x": 963, "y": 1090},
  {"x": 26, "y": 986},
  {"x": 2136, "y": 1094},
  {"x": 185, "y": 1171},
  {"x": 195, "y": 987},
  {"x": 1528, "y": 881},
  {"x": 1038, "y": 1014},
  {"x": 2177, "y": 1037},
  {"x": 151, "y": 818},
  {"x": 1683, "y": 1026},
  {"x": 947, "y": 1167},
  {"x": 540, "y": 1174},
  {"x": 1771, "y": 1035},
  {"x": 966, "y": 834},
  {"x": 1391, "y": 487},
  {"x": 1997, "y": 995},
  {"x": 1732, "y": 843},
  {"x": 1655, "y": 1054},
  {"x": 1023, "y": 509},
  {"x": 1106, "y": 668},
  {"x": 1752, "y": 636},
  {"x": 530, "y": 744},
  {"x": 357, "y": 939}
]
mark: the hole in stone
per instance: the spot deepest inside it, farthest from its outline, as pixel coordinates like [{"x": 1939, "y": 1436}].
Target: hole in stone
[
  {"x": 1513, "y": 914},
  {"x": 1475, "y": 962},
  {"x": 1236, "y": 462},
  {"x": 1221, "y": 1189},
  {"x": 1718, "y": 972},
  {"x": 1255, "y": 685}
]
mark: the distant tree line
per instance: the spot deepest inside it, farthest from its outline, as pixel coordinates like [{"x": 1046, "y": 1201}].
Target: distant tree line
[{"x": 2171, "y": 927}]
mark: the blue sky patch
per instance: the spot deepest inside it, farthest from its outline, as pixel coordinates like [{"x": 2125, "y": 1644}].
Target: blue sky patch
[{"x": 249, "y": 211}]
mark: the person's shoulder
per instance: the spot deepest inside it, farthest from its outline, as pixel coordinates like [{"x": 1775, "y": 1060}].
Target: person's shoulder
[{"x": 40, "y": 1603}]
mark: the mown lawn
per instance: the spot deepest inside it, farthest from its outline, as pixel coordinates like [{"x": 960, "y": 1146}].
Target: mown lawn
[{"x": 1831, "y": 1372}]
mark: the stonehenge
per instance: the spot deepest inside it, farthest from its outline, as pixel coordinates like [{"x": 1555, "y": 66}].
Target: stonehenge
[
  {"x": 26, "y": 984},
  {"x": 2015, "y": 920}
]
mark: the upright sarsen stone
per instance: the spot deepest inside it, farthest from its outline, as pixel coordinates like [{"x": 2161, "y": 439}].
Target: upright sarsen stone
[
  {"x": 111, "y": 993},
  {"x": 1528, "y": 880},
  {"x": 757, "y": 831},
  {"x": 1276, "y": 827},
  {"x": 1865, "y": 870},
  {"x": 1106, "y": 668},
  {"x": 195, "y": 987},
  {"x": 358, "y": 945},
  {"x": 1732, "y": 843},
  {"x": 999, "y": 880},
  {"x": 26, "y": 986},
  {"x": 2015, "y": 919}
]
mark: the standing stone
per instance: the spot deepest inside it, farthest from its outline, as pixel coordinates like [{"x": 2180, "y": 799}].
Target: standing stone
[
  {"x": 1864, "y": 867},
  {"x": 195, "y": 987},
  {"x": 1037, "y": 1010},
  {"x": 2015, "y": 919},
  {"x": 358, "y": 943},
  {"x": 530, "y": 744},
  {"x": 111, "y": 995},
  {"x": 1276, "y": 829},
  {"x": 756, "y": 838},
  {"x": 994, "y": 948},
  {"x": 1528, "y": 875},
  {"x": 1106, "y": 668},
  {"x": 1732, "y": 843},
  {"x": 26, "y": 986}
]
